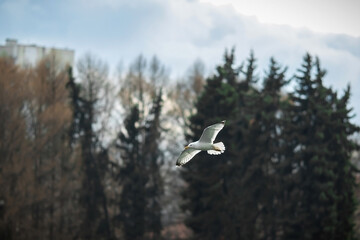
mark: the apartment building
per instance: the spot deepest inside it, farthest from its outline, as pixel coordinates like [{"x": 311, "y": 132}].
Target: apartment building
[{"x": 29, "y": 55}]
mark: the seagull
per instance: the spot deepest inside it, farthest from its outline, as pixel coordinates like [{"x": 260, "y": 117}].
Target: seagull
[{"x": 205, "y": 143}]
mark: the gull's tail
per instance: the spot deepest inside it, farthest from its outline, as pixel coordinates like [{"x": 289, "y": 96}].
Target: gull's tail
[{"x": 219, "y": 148}]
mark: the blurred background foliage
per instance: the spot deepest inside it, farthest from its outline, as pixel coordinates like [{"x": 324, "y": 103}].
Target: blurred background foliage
[{"x": 84, "y": 157}]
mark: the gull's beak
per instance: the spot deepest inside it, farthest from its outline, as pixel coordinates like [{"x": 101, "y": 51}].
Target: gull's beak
[{"x": 186, "y": 147}]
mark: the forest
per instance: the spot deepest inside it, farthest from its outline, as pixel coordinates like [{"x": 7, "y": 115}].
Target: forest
[{"x": 84, "y": 155}]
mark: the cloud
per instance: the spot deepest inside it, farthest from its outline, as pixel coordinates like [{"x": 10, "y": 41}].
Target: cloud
[
  {"x": 343, "y": 43},
  {"x": 326, "y": 16},
  {"x": 178, "y": 32}
]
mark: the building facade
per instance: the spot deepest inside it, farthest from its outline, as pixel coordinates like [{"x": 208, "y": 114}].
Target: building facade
[{"x": 29, "y": 55}]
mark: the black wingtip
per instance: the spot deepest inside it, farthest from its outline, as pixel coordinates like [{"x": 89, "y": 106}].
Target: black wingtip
[{"x": 223, "y": 121}]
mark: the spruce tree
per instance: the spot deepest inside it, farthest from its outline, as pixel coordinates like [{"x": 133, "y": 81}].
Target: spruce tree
[
  {"x": 312, "y": 134},
  {"x": 139, "y": 175},
  {"x": 94, "y": 161},
  {"x": 133, "y": 178},
  {"x": 267, "y": 129},
  {"x": 153, "y": 159},
  {"x": 76, "y": 102},
  {"x": 343, "y": 147},
  {"x": 207, "y": 195},
  {"x": 247, "y": 175}
]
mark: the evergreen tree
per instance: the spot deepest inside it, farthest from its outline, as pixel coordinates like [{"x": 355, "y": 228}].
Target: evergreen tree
[
  {"x": 76, "y": 101},
  {"x": 266, "y": 130},
  {"x": 140, "y": 166},
  {"x": 247, "y": 173},
  {"x": 133, "y": 178},
  {"x": 342, "y": 147},
  {"x": 153, "y": 159},
  {"x": 312, "y": 135},
  {"x": 94, "y": 159},
  {"x": 140, "y": 206},
  {"x": 250, "y": 78},
  {"x": 208, "y": 179}
]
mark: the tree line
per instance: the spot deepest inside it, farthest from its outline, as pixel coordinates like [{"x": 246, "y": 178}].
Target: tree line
[
  {"x": 286, "y": 173},
  {"x": 86, "y": 158}
]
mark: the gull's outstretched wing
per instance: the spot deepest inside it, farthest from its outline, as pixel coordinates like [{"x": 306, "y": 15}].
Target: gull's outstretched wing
[
  {"x": 186, "y": 156},
  {"x": 209, "y": 134}
]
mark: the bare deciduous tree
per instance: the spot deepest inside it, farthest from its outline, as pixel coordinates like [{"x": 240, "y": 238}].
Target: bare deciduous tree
[{"x": 36, "y": 166}]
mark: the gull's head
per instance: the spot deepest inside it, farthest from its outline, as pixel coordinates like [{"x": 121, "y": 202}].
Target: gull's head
[{"x": 189, "y": 146}]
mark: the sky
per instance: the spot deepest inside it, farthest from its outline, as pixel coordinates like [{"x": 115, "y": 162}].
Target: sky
[{"x": 181, "y": 31}]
